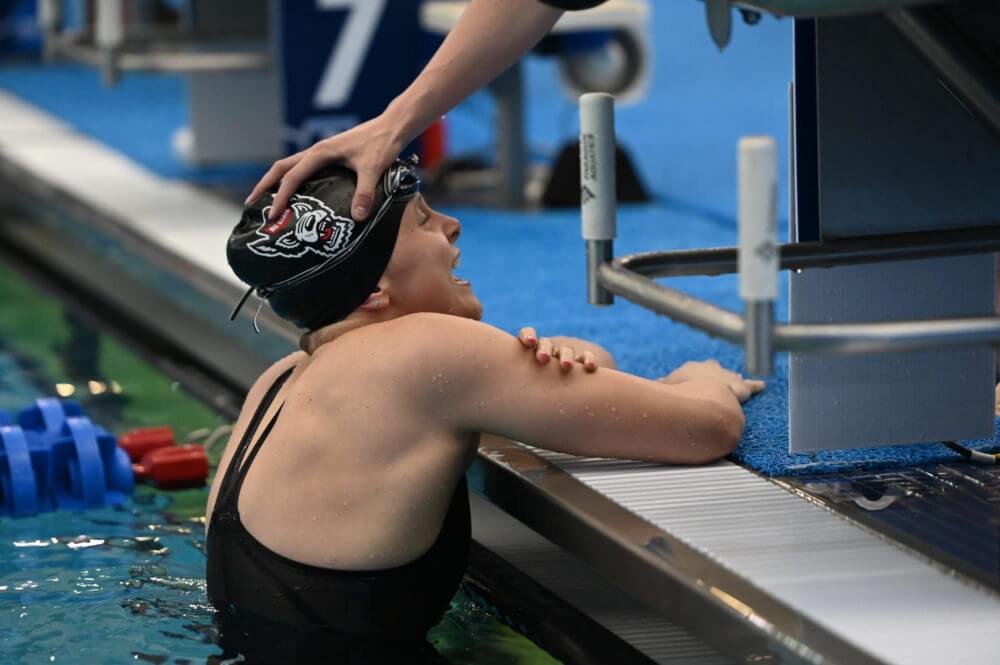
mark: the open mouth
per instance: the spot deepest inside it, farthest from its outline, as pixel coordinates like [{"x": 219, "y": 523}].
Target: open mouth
[{"x": 455, "y": 278}]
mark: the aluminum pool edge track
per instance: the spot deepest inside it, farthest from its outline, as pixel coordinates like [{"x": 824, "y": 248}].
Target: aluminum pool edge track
[
  {"x": 547, "y": 493},
  {"x": 785, "y": 562}
]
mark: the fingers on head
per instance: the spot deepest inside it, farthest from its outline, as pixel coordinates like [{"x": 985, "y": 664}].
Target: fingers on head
[
  {"x": 364, "y": 194},
  {"x": 268, "y": 180},
  {"x": 289, "y": 184}
]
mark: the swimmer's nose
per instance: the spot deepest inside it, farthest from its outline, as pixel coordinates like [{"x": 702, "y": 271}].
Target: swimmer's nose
[{"x": 452, "y": 228}]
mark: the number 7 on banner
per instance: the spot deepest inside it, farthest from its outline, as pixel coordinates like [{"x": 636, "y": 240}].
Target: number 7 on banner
[{"x": 348, "y": 55}]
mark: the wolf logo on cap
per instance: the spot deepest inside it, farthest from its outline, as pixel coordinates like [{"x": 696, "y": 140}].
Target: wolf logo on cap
[{"x": 307, "y": 225}]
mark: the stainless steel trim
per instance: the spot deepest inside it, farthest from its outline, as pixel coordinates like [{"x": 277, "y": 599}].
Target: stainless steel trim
[
  {"x": 758, "y": 346},
  {"x": 169, "y": 56},
  {"x": 967, "y": 79},
  {"x": 807, "y": 8},
  {"x": 662, "y": 571},
  {"x": 629, "y": 277},
  {"x": 598, "y": 253}
]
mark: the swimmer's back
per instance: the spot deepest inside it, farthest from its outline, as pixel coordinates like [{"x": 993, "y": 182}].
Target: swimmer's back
[{"x": 351, "y": 477}]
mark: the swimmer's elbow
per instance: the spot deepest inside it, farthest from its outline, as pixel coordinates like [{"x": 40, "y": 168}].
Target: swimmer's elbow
[
  {"x": 723, "y": 423},
  {"x": 730, "y": 432}
]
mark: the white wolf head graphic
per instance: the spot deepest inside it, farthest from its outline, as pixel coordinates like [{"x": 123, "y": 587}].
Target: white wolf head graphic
[{"x": 307, "y": 225}]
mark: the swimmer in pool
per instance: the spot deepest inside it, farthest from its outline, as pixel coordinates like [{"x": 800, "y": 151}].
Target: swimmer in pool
[{"x": 347, "y": 462}]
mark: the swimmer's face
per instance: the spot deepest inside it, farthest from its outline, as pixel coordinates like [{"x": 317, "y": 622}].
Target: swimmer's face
[{"x": 419, "y": 275}]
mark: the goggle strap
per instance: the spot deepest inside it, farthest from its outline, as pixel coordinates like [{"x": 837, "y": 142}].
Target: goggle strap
[{"x": 239, "y": 305}]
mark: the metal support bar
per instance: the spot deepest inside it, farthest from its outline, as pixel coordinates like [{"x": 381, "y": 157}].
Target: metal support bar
[
  {"x": 964, "y": 75},
  {"x": 758, "y": 254},
  {"x": 827, "y": 254},
  {"x": 599, "y": 252},
  {"x": 508, "y": 89},
  {"x": 757, "y": 260},
  {"x": 759, "y": 343},
  {"x": 826, "y": 7},
  {"x": 840, "y": 338},
  {"x": 185, "y": 58}
]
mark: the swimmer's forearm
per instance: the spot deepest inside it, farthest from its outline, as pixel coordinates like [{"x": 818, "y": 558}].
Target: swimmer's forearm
[
  {"x": 604, "y": 358},
  {"x": 489, "y": 37}
]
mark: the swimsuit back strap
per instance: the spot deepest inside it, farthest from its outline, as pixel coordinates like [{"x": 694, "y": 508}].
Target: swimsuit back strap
[{"x": 231, "y": 482}]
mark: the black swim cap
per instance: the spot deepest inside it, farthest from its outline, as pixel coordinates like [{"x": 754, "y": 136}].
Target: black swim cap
[{"x": 313, "y": 264}]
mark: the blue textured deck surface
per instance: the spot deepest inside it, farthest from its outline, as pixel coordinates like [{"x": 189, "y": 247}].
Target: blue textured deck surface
[{"x": 528, "y": 268}]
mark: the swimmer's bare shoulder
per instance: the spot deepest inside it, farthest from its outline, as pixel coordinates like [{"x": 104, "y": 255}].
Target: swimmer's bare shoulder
[{"x": 488, "y": 382}]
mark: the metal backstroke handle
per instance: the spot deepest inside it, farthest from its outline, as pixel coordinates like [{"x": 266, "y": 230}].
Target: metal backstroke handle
[
  {"x": 758, "y": 249},
  {"x": 758, "y": 259},
  {"x": 598, "y": 196}
]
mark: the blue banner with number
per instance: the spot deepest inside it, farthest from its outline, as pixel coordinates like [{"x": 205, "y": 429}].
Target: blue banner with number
[{"x": 343, "y": 61}]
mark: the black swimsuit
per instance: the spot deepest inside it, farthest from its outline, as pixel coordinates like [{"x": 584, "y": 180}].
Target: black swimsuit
[{"x": 252, "y": 586}]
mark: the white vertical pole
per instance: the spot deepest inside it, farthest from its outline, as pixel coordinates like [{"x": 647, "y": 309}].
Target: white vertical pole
[
  {"x": 598, "y": 197},
  {"x": 109, "y": 23},
  {"x": 758, "y": 251},
  {"x": 597, "y": 165}
]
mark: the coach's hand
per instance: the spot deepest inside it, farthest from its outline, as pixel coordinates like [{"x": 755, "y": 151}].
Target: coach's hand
[{"x": 369, "y": 149}]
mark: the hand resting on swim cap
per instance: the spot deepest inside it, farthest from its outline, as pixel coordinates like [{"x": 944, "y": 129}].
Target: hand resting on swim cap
[
  {"x": 367, "y": 149},
  {"x": 472, "y": 54}
]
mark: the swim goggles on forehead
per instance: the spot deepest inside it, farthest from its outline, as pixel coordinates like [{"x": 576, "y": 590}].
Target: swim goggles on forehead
[{"x": 400, "y": 183}]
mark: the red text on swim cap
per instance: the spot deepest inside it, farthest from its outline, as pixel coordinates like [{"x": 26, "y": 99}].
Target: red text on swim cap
[{"x": 278, "y": 225}]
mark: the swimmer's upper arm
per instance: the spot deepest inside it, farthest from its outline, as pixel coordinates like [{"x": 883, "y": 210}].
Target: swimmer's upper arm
[{"x": 481, "y": 379}]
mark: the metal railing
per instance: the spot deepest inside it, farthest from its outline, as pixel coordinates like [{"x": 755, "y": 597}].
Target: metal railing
[
  {"x": 108, "y": 42},
  {"x": 757, "y": 260}
]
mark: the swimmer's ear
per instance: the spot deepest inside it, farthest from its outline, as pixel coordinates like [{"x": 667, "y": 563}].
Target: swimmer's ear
[{"x": 379, "y": 299}]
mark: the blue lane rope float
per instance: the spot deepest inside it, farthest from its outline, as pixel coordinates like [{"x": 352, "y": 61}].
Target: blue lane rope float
[
  {"x": 53, "y": 457},
  {"x": 47, "y": 414},
  {"x": 17, "y": 482},
  {"x": 86, "y": 476}
]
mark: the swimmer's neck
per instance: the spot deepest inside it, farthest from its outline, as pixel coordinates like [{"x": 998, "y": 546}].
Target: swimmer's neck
[{"x": 311, "y": 341}]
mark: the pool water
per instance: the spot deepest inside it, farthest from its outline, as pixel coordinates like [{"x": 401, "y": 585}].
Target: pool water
[{"x": 127, "y": 583}]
